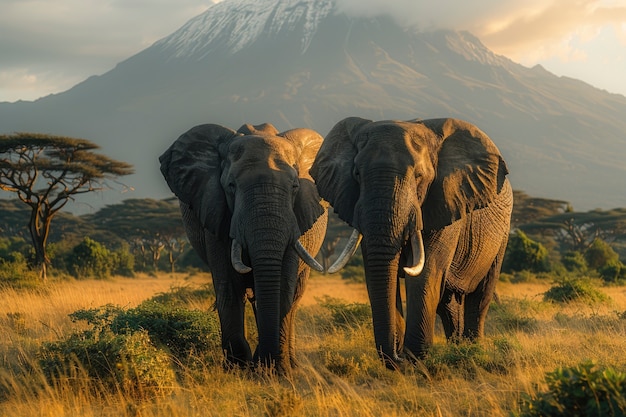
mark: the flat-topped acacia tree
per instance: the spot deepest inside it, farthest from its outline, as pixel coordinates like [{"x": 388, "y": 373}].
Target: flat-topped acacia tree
[{"x": 46, "y": 172}]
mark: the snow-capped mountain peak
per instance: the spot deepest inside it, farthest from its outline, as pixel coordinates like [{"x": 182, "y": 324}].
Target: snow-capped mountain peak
[{"x": 235, "y": 24}]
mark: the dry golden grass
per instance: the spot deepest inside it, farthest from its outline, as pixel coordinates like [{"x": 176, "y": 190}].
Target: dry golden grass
[{"x": 339, "y": 373}]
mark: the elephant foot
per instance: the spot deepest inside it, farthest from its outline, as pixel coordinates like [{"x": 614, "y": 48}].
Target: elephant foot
[
  {"x": 237, "y": 353},
  {"x": 392, "y": 362},
  {"x": 415, "y": 356}
]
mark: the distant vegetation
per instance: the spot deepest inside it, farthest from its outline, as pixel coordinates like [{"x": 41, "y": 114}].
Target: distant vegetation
[{"x": 549, "y": 241}]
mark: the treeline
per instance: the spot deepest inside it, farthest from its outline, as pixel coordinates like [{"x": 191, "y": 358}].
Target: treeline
[
  {"x": 136, "y": 235},
  {"x": 147, "y": 235}
]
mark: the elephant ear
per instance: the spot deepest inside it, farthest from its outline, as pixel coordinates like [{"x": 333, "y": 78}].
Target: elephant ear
[
  {"x": 192, "y": 168},
  {"x": 333, "y": 167},
  {"x": 470, "y": 172},
  {"x": 308, "y": 206}
]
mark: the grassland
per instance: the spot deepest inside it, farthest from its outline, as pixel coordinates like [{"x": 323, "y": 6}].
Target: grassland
[{"x": 339, "y": 374}]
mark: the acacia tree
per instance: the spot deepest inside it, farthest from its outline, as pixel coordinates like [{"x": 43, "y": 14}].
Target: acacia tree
[
  {"x": 46, "y": 172},
  {"x": 578, "y": 230}
]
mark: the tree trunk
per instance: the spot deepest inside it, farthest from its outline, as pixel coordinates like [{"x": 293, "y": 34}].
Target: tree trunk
[{"x": 39, "y": 227}]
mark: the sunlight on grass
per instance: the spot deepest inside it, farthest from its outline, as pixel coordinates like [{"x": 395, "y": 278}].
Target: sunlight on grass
[{"x": 339, "y": 372}]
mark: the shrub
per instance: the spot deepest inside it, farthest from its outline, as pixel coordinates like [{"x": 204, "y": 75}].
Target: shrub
[
  {"x": 574, "y": 289},
  {"x": 612, "y": 271},
  {"x": 347, "y": 314},
  {"x": 463, "y": 358},
  {"x": 17, "y": 273},
  {"x": 90, "y": 259},
  {"x": 131, "y": 349},
  {"x": 181, "y": 330},
  {"x": 512, "y": 315},
  {"x": 574, "y": 261},
  {"x": 123, "y": 262},
  {"x": 586, "y": 389},
  {"x": 600, "y": 254},
  {"x": 524, "y": 253},
  {"x": 128, "y": 361}
]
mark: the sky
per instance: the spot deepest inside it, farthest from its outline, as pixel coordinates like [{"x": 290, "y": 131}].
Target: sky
[{"x": 47, "y": 47}]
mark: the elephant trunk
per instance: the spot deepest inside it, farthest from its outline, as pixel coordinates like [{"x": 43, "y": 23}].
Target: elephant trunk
[
  {"x": 267, "y": 290},
  {"x": 391, "y": 228},
  {"x": 381, "y": 270},
  {"x": 268, "y": 233}
]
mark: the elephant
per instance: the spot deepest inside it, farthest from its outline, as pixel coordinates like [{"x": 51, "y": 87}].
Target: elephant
[
  {"x": 253, "y": 214},
  {"x": 429, "y": 201}
]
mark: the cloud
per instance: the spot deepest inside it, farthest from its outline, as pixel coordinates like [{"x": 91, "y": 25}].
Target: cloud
[
  {"x": 57, "y": 44},
  {"x": 61, "y": 43},
  {"x": 533, "y": 29}
]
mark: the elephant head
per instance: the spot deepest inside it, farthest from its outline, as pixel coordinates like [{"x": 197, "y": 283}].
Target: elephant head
[
  {"x": 393, "y": 182},
  {"x": 248, "y": 191}
]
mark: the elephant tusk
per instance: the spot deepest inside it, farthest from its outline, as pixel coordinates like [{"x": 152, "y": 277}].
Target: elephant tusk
[
  {"x": 417, "y": 255},
  {"x": 348, "y": 251},
  {"x": 235, "y": 258},
  {"x": 307, "y": 258}
]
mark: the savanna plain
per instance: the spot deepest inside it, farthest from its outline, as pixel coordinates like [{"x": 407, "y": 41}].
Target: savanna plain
[{"x": 339, "y": 373}]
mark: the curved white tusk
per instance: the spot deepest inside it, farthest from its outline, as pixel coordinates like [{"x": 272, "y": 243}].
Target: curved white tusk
[
  {"x": 235, "y": 258},
  {"x": 348, "y": 251},
  {"x": 417, "y": 255},
  {"x": 307, "y": 258}
]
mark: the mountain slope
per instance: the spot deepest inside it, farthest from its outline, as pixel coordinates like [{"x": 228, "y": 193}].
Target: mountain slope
[{"x": 299, "y": 63}]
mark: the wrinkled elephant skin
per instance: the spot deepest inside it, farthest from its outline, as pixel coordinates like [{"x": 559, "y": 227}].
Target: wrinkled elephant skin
[
  {"x": 253, "y": 214},
  {"x": 432, "y": 203}
]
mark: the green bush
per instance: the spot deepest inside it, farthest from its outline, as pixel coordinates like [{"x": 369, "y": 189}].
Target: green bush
[
  {"x": 586, "y": 389},
  {"x": 89, "y": 259},
  {"x": 574, "y": 289},
  {"x": 123, "y": 262},
  {"x": 181, "y": 296},
  {"x": 181, "y": 330},
  {"x": 132, "y": 349},
  {"x": 346, "y": 315},
  {"x": 574, "y": 261},
  {"x": 128, "y": 361},
  {"x": 17, "y": 273},
  {"x": 513, "y": 315},
  {"x": 612, "y": 272},
  {"x": 600, "y": 254},
  {"x": 524, "y": 253}
]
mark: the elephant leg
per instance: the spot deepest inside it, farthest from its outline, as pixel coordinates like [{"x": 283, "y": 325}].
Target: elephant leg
[
  {"x": 451, "y": 311},
  {"x": 421, "y": 315},
  {"x": 290, "y": 318},
  {"x": 231, "y": 312},
  {"x": 424, "y": 292},
  {"x": 477, "y": 303},
  {"x": 230, "y": 303}
]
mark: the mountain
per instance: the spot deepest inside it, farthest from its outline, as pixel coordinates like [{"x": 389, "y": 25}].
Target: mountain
[{"x": 300, "y": 63}]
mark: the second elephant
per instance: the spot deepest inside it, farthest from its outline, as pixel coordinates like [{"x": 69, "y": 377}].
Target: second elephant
[
  {"x": 431, "y": 201},
  {"x": 253, "y": 214}
]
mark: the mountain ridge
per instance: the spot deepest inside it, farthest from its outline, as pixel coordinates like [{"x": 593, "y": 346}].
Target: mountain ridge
[{"x": 561, "y": 137}]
